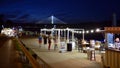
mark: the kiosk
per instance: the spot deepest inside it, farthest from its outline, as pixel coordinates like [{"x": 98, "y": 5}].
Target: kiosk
[{"x": 111, "y": 59}]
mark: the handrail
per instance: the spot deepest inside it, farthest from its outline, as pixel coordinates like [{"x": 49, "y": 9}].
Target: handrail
[
  {"x": 46, "y": 64},
  {"x": 33, "y": 62}
]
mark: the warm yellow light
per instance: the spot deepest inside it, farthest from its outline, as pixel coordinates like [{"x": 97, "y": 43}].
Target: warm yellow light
[
  {"x": 97, "y": 30},
  {"x": 92, "y": 31},
  {"x": 87, "y": 31}
]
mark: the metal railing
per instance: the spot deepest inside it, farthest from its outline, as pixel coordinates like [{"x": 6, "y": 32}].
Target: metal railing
[{"x": 32, "y": 60}]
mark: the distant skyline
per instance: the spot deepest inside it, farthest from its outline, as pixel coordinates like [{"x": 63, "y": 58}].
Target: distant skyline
[{"x": 69, "y": 11}]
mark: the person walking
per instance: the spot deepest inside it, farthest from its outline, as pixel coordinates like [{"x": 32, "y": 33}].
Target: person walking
[
  {"x": 55, "y": 43},
  {"x": 80, "y": 47},
  {"x": 40, "y": 40},
  {"x": 49, "y": 43}
]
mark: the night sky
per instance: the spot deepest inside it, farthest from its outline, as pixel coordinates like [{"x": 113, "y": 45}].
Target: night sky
[{"x": 69, "y": 11}]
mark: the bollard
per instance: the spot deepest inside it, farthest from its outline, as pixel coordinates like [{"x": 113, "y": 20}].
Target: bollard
[{"x": 92, "y": 55}]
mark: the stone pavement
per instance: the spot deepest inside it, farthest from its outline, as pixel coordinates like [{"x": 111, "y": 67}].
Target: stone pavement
[{"x": 55, "y": 59}]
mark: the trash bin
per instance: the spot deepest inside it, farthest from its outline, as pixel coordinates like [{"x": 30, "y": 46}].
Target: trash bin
[{"x": 69, "y": 46}]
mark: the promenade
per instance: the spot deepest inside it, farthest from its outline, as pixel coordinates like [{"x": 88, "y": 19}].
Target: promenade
[{"x": 73, "y": 59}]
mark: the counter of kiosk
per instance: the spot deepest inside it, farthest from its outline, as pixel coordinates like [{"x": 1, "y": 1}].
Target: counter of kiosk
[{"x": 112, "y": 58}]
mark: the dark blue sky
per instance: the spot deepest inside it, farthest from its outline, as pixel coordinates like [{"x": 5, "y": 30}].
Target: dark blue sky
[{"x": 66, "y": 10}]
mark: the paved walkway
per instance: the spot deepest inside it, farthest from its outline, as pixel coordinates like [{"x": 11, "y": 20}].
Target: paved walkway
[
  {"x": 8, "y": 57},
  {"x": 55, "y": 59}
]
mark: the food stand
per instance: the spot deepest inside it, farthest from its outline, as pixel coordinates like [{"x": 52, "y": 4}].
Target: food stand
[{"x": 112, "y": 55}]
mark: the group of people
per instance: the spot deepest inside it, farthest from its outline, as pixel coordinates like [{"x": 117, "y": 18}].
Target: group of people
[{"x": 48, "y": 39}]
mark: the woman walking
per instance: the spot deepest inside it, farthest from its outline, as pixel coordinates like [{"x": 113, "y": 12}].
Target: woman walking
[{"x": 55, "y": 43}]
